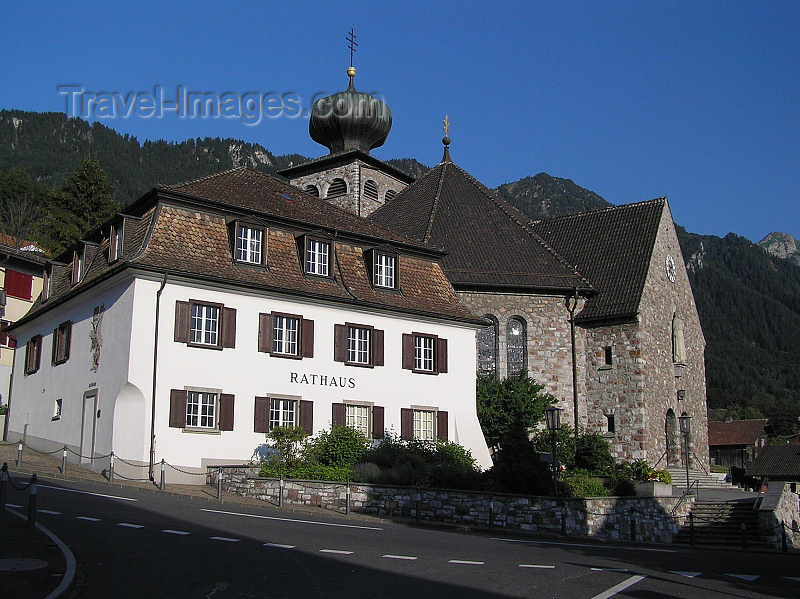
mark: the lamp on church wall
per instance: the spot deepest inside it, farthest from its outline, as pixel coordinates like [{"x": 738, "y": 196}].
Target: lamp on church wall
[
  {"x": 552, "y": 417},
  {"x": 686, "y": 428},
  {"x": 681, "y": 394}
]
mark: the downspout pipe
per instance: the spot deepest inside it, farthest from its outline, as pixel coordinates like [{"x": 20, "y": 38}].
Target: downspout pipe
[
  {"x": 572, "y": 303},
  {"x": 151, "y": 470}
]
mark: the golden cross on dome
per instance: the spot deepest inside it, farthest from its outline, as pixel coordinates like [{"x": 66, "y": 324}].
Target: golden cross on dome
[
  {"x": 351, "y": 43},
  {"x": 446, "y": 127}
]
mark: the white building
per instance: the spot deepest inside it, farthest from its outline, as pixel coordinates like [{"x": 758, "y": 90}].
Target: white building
[{"x": 216, "y": 309}]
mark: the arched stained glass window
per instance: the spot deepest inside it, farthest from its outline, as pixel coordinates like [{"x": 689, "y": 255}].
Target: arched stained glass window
[
  {"x": 516, "y": 342},
  {"x": 486, "y": 340}
]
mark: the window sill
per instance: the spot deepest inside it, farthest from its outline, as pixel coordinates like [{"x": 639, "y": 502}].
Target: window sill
[
  {"x": 360, "y": 364},
  {"x": 415, "y": 371},
  {"x": 286, "y": 356},
  {"x": 201, "y": 431},
  {"x": 605, "y": 367},
  {"x": 204, "y": 346},
  {"x": 609, "y": 435}
]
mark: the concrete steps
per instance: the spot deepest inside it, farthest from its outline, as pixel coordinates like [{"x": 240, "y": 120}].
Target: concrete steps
[
  {"x": 705, "y": 481},
  {"x": 729, "y": 523}
]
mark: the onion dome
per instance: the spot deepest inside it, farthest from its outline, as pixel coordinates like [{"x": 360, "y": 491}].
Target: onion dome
[{"x": 350, "y": 120}]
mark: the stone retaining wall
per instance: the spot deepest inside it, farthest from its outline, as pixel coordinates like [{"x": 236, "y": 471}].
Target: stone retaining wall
[
  {"x": 780, "y": 509},
  {"x": 639, "y": 518}
]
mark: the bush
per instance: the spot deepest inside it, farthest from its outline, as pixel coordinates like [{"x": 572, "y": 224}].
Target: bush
[
  {"x": 584, "y": 486},
  {"x": 288, "y": 440},
  {"x": 518, "y": 469},
  {"x": 3, "y": 409},
  {"x": 307, "y": 471},
  {"x": 367, "y": 472},
  {"x": 565, "y": 444},
  {"x": 341, "y": 446},
  {"x": 662, "y": 476},
  {"x": 620, "y": 485},
  {"x": 593, "y": 454}
]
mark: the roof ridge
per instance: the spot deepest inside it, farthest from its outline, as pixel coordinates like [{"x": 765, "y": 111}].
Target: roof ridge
[
  {"x": 207, "y": 177},
  {"x": 660, "y": 200},
  {"x": 523, "y": 223},
  {"x": 436, "y": 196}
]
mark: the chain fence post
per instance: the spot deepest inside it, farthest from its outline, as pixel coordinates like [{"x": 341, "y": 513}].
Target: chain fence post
[
  {"x": 564, "y": 521},
  {"x": 280, "y": 492},
  {"x": 64, "y": 460},
  {"x": 32, "y": 493},
  {"x": 162, "y": 486},
  {"x": 691, "y": 528},
  {"x": 347, "y": 500},
  {"x": 219, "y": 484},
  {"x": 491, "y": 513},
  {"x": 418, "y": 506},
  {"x": 111, "y": 468},
  {"x": 784, "y": 544},
  {"x": 744, "y": 536},
  {"x": 19, "y": 454},
  {"x": 3, "y": 487},
  {"x": 633, "y": 525}
]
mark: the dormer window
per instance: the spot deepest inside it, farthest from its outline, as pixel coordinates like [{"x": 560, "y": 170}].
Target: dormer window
[
  {"x": 385, "y": 273},
  {"x": 115, "y": 242},
  {"x": 77, "y": 265},
  {"x": 249, "y": 244},
  {"x": 317, "y": 257},
  {"x": 46, "y": 277}
]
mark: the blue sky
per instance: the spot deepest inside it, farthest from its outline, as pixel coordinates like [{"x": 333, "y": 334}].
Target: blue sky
[{"x": 697, "y": 101}]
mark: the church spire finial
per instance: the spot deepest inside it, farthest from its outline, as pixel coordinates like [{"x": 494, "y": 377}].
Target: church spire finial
[
  {"x": 352, "y": 44},
  {"x": 446, "y": 139}
]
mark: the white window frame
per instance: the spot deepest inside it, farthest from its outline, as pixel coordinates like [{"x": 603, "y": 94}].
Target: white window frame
[
  {"x": 424, "y": 424},
  {"x": 204, "y": 324},
  {"x": 424, "y": 353},
  {"x": 385, "y": 273},
  {"x": 249, "y": 244},
  {"x": 286, "y": 335},
  {"x": 359, "y": 417},
  {"x": 359, "y": 345},
  {"x": 283, "y": 412},
  {"x": 202, "y": 409},
  {"x": 317, "y": 257}
]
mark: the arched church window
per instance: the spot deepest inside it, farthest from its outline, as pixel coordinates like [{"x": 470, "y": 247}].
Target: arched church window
[
  {"x": 486, "y": 340},
  {"x": 516, "y": 343},
  {"x": 371, "y": 190},
  {"x": 389, "y": 195},
  {"x": 338, "y": 188},
  {"x": 312, "y": 189}
]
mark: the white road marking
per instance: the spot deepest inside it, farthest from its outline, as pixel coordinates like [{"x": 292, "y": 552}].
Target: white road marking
[
  {"x": 467, "y": 562},
  {"x": 279, "y": 545},
  {"x": 582, "y": 545},
  {"x": 88, "y": 493},
  {"x": 619, "y": 587},
  {"x": 14, "y": 505},
  {"x": 227, "y": 539},
  {"x": 609, "y": 569},
  {"x": 87, "y": 518},
  {"x": 291, "y": 520},
  {"x": 408, "y": 557},
  {"x": 535, "y": 566},
  {"x": 686, "y": 574},
  {"x": 129, "y": 525},
  {"x": 747, "y": 577},
  {"x": 169, "y": 531},
  {"x": 51, "y": 512},
  {"x": 336, "y": 551},
  {"x": 792, "y": 578}
]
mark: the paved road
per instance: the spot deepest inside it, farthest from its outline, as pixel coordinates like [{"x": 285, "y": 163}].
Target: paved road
[{"x": 131, "y": 543}]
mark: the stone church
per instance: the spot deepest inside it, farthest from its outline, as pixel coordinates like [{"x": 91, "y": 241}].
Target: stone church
[{"x": 596, "y": 306}]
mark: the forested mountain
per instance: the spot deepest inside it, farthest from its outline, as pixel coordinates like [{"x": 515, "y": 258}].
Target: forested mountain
[{"x": 748, "y": 300}]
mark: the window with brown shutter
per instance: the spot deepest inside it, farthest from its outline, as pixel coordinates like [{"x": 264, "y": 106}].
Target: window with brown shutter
[
  {"x": 358, "y": 345},
  {"x": 424, "y": 424},
  {"x": 285, "y": 335},
  {"x": 337, "y": 414},
  {"x": 225, "y": 422},
  {"x": 406, "y": 423},
  {"x": 205, "y": 324},
  {"x": 424, "y": 353},
  {"x": 6, "y": 340},
  {"x": 378, "y": 426},
  {"x": 18, "y": 284},
  {"x": 33, "y": 354},
  {"x": 307, "y": 416},
  {"x": 261, "y": 415},
  {"x": 62, "y": 337},
  {"x": 177, "y": 408},
  {"x": 441, "y": 425}
]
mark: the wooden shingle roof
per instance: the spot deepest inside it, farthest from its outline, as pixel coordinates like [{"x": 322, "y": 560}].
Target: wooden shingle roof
[
  {"x": 612, "y": 248},
  {"x": 489, "y": 243}
]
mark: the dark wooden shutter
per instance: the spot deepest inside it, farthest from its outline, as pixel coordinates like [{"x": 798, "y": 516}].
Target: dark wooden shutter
[
  {"x": 441, "y": 355},
  {"x": 406, "y": 423},
  {"x": 338, "y": 417},
  {"x": 265, "y": 332},
  {"x": 226, "y": 412},
  {"x": 307, "y": 416},
  {"x": 229, "y": 327},
  {"x": 441, "y": 425},
  {"x": 378, "y": 427},
  {"x": 408, "y": 351},
  {"x": 377, "y": 347},
  {"x": 340, "y": 343},
  {"x": 182, "y": 316},
  {"x": 177, "y": 408},
  {"x": 54, "y": 348},
  {"x": 67, "y": 340},
  {"x": 261, "y": 415},
  {"x": 18, "y": 284},
  {"x": 306, "y": 338}
]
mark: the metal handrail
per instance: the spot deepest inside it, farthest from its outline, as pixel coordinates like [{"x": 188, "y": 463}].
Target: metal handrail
[
  {"x": 663, "y": 455},
  {"x": 699, "y": 463},
  {"x": 684, "y": 495}
]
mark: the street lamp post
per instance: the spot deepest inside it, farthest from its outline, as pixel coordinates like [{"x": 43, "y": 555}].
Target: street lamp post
[
  {"x": 686, "y": 428},
  {"x": 553, "y": 419}
]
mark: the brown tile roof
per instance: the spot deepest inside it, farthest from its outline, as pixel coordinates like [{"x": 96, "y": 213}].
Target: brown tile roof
[
  {"x": 245, "y": 188},
  {"x": 612, "y": 248},
  {"x": 779, "y": 462},
  {"x": 736, "y": 432},
  {"x": 489, "y": 242},
  {"x": 12, "y": 246},
  {"x": 187, "y": 236}
]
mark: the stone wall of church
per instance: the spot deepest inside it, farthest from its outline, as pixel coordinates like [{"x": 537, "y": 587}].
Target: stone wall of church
[
  {"x": 548, "y": 342},
  {"x": 662, "y": 298},
  {"x": 615, "y": 389},
  {"x": 355, "y": 176}
]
